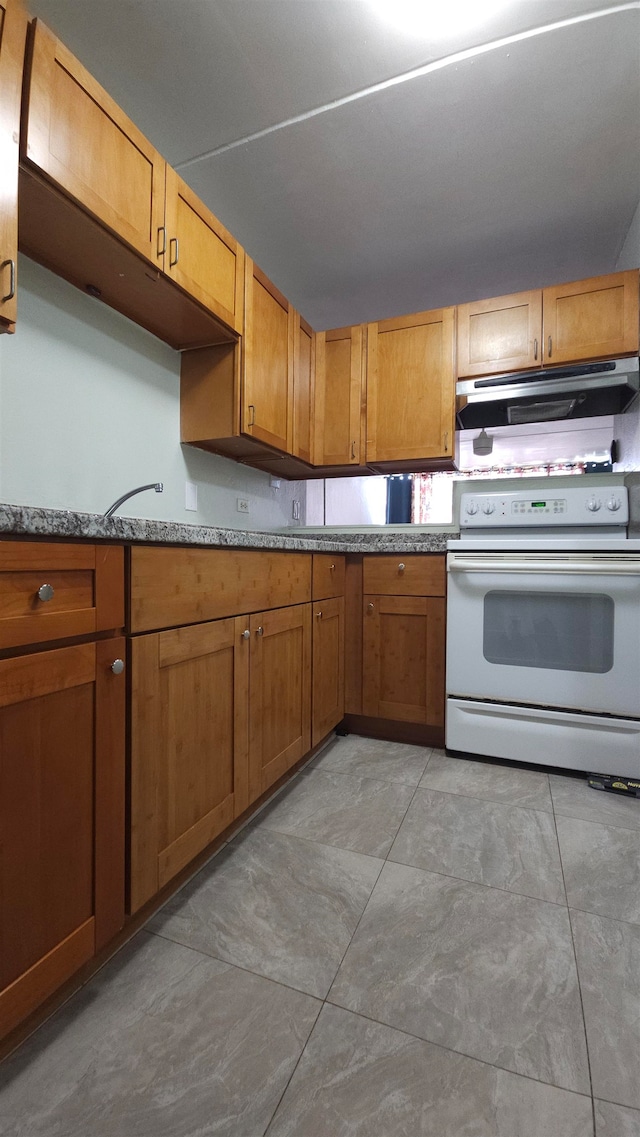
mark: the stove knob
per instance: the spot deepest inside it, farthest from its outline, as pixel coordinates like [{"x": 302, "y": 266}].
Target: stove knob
[
  {"x": 472, "y": 507},
  {"x": 614, "y": 504},
  {"x": 488, "y": 507},
  {"x": 593, "y": 505}
]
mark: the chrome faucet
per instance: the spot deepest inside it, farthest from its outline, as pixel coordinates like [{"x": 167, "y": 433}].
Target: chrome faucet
[{"x": 157, "y": 486}]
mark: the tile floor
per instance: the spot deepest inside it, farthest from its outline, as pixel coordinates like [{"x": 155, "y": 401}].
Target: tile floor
[{"x": 400, "y": 944}]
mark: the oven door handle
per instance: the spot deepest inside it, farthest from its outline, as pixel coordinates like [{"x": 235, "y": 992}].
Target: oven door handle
[{"x": 612, "y": 565}]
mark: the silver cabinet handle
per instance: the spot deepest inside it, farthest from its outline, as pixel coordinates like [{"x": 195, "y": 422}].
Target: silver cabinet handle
[
  {"x": 332, "y": 567},
  {"x": 535, "y": 349},
  {"x": 246, "y": 634},
  {"x": 12, "y": 280},
  {"x": 260, "y": 631},
  {"x": 45, "y": 592},
  {"x": 370, "y": 607},
  {"x": 353, "y": 448},
  {"x": 252, "y": 416},
  {"x": 318, "y": 615},
  {"x": 161, "y": 251},
  {"x": 549, "y": 347},
  {"x": 401, "y": 567},
  {"x": 117, "y": 666},
  {"x": 173, "y": 244}
]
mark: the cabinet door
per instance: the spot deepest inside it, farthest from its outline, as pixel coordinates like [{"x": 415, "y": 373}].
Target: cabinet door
[
  {"x": 327, "y": 698},
  {"x": 411, "y": 387},
  {"x": 188, "y": 746},
  {"x": 13, "y": 28},
  {"x": 593, "y": 318},
  {"x": 80, "y": 138},
  {"x": 500, "y": 334},
  {"x": 201, "y": 256},
  {"x": 267, "y": 406},
  {"x": 339, "y": 362},
  {"x": 61, "y": 817},
  {"x": 404, "y": 651},
  {"x": 304, "y": 368},
  {"x": 280, "y": 684}
]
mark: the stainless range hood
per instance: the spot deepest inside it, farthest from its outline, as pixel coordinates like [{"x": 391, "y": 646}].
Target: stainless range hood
[{"x": 575, "y": 391}]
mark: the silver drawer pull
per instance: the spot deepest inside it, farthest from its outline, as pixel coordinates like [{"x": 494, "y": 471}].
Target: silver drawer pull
[
  {"x": 45, "y": 592},
  {"x": 246, "y": 634},
  {"x": 332, "y": 567},
  {"x": 370, "y": 607},
  {"x": 117, "y": 666}
]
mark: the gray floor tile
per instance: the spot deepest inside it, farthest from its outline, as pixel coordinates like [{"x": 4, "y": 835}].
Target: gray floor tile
[
  {"x": 572, "y": 797},
  {"x": 162, "y": 1042},
  {"x": 277, "y": 905},
  {"x": 608, "y": 953},
  {"x": 361, "y": 814},
  {"x": 484, "y": 972},
  {"x": 601, "y": 868},
  {"x": 499, "y": 845},
  {"x": 487, "y": 780},
  {"x": 374, "y": 758},
  {"x": 616, "y": 1120},
  {"x": 357, "y": 1078}
]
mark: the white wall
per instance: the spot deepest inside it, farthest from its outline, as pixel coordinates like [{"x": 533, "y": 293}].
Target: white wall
[
  {"x": 630, "y": 251},
  {"x": 90, "y": 407}
]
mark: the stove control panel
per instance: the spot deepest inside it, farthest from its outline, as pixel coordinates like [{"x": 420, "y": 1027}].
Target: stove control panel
[{"x": 572, "y": 506}]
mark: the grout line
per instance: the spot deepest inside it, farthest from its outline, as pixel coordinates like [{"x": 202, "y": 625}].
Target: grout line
[{"x": 575, "y": 957}]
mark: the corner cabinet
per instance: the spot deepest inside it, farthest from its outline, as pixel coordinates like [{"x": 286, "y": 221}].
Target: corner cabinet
[
  {"x": 62, "y": 766},
  {"x": 13, "y": 30},
  {"x": 411, "y": 391}
]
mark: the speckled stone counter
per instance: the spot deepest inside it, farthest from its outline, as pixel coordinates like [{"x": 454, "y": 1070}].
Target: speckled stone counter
[{"x": 23, "y": 520}]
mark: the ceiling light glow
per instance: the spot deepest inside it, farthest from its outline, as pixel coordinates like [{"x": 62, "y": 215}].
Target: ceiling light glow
[{"x": 433, "y": 18}]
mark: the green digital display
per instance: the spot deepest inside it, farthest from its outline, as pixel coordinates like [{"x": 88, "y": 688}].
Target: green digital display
[{"x": 538, "y": 504}]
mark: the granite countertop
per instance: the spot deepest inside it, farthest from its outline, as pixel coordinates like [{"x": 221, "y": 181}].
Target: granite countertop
[{"x": 32, "y": 521}]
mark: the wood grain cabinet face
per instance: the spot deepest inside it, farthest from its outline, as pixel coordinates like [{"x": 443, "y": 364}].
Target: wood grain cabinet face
[
  {"x": 328, "y": 667},
  {"x": 403, "y": 658},
  {"x": 411, "y": 387},
  {"x": 62, "y": 729},
  {"x": 304, "y": 371},
  {"x": 13, "y": 28},
  {"x": 267, "y": 404},
  {"x": 201, "y": 255},
  {"x": 500, "y": 334},
  {"x": 338, "y": 401},
  {"x": 280, "y": 700},
  {"x": 79, "y": 138},
  {"x": 328, "y": 576},
  {"x": 189, "y": 773},
  {"x": 590, "y": 319}
]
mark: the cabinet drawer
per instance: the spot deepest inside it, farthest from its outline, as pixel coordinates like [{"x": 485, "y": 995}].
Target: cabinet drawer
[
  {"x": 328, "y": 576},
  {"x": 170, "y": 587},
  {"x": 49, "y": 591},
  {"x": 417, "y": 575}
]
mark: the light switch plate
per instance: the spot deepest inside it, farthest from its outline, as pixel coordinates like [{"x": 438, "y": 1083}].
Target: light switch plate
[
  {"x": 190, "y": 495},
  {"x": 295, "y": 509}
]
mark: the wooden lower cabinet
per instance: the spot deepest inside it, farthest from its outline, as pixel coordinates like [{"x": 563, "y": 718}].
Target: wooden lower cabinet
[
  {"x": 403, "y": 658},
  {"x": 62, "y": 783},
  {"x": 280, "y": 694},
  {"x": 189, "y": 746},
  {"x": 327, "y": 698}
]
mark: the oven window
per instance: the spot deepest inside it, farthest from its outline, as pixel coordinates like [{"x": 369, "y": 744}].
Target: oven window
[{"x": 561, "y": 631}]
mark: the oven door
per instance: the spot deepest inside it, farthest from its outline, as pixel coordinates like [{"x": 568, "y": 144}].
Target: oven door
[{"x": 545, "y": 629}]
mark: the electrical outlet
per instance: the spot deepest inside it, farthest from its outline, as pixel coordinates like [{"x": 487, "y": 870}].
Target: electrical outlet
[
  {"x": 295, "y": 509},
  {"x": 274, "y": 483},
  {"x": 190, "y": 495},
  {"x": 242, "y": 505}
]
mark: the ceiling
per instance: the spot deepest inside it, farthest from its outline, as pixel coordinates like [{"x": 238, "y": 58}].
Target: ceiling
[{"x": 506, "y": 167}]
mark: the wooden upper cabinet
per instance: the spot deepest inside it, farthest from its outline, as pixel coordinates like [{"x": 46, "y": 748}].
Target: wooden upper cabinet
[
  {"x": 13, "y": 29},
  {"x": 304, "y": 370},
  {"x": 411, "y": 387},
  {"x": 80, "y": 138},
  {"x": 590, "y": 319},
  {"x": 200, "y": 255},
  {"x": 500, "y": 334},
  {"x": 338, "y": 401},
  {"x": 267, "y": 402}
]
